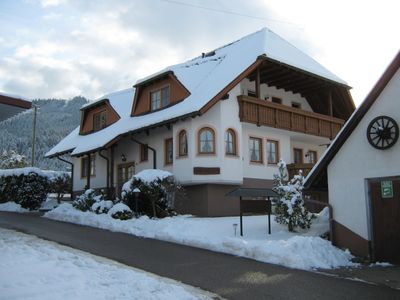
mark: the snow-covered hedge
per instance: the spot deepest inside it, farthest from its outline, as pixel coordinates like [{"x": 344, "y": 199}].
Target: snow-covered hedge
[
  {"x": 157, "y": 193},
  {"x": 27, "y": 186}
]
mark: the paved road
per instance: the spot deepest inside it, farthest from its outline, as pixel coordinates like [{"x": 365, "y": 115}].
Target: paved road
[{"x": 229, "y": 276}]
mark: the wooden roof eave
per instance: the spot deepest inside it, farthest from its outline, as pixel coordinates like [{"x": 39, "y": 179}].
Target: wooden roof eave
[
  {"x": 59, "y": 153},
  {"x": 232, "y": 84}
]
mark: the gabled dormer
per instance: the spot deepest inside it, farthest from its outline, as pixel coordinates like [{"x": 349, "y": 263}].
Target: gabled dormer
[
  {"x": 96, "y": 116},
  {"x": 158, "y": 92}
]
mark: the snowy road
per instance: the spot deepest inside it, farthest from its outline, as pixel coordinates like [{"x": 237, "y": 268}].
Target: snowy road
[
  {"x": 32, "y": 268},
  {"x": 226, "y": 275}
]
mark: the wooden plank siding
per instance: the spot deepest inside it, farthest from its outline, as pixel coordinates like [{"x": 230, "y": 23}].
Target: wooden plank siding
[{"x": 261, "y": 112}]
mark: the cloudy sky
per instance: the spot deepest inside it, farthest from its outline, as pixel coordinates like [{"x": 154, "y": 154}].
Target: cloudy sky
[{"x": 64, "y": 48}]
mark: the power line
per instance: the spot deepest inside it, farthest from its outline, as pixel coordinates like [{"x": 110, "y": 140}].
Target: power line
[{"x": 226, "y": 12}]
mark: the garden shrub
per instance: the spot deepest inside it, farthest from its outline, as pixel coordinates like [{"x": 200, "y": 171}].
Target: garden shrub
[
  {"x": 102, "y": 206},
  {"x": 60, "y": 184},
  {"x": 121, "y": 211},
  {"x": 157, "y": 193},
  {"x": 25, "y": 186},
  {"x": 85, "y": 201}
]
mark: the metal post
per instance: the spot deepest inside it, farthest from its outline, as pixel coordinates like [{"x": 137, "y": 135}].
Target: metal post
[
  {"x": 113, "y": 193},
  {"x": 88, "y": 171},
  {"x": 241, "y": 217},
  {"x": 269, "y": 215},
  {"x": 34, "y": 135},
  {"x": 107, "y": 173}
]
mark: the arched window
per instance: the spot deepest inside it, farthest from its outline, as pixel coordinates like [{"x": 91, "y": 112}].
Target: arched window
[
  {"x": 206, "y": 141},
  {"x": 183, "y": 143},
  {"x": 230, "y": 142}
]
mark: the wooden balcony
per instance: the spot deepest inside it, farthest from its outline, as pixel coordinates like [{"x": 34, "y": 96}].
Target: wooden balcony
[
  {"x": 262, "y": 112},
  {"x": 294, "y": 169}
]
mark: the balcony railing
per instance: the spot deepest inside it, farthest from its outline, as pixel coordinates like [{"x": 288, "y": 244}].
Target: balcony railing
[
  {"x": 261, "y": 112},
  {"x": 294, "y": 169}
]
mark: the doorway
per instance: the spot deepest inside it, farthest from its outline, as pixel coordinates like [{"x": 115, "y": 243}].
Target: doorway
[
  {"x": 125, "y": 173},
  {"x": 385, "y": 208}
]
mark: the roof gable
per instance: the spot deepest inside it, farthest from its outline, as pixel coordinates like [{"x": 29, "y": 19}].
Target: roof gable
[{"x": 318, "y": 175}]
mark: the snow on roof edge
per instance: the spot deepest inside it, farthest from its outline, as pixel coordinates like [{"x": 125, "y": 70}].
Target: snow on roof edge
[{"x": 15, "y": 96}]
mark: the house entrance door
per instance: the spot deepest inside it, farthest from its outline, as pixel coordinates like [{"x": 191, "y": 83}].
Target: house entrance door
[
  {"x": 125, "y": 173},
  {"x": 385, "y": 203}
]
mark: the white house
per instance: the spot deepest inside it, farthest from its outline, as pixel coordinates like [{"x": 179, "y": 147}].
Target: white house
[
  {"x": 361, "y": 170},
  {"x": 218, "y": 121}
]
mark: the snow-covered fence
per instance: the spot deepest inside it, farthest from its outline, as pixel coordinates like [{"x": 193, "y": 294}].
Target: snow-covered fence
[{"x": 29, "y": 186}]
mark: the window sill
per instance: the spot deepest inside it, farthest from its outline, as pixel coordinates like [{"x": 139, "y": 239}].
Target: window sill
[
  {"x": 231, "y": 155},
  {"x": 257, "y": 163}
]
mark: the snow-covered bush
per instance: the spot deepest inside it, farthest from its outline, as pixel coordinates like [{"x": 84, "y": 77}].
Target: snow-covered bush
[
  {"x": 12, "y": 160},
  {"x": 85, "y": 201},
  {"x": 157, "y": 193},
  {"x": 102, "y": 206},
  {"x": 289, "y": 206},
  {"x": 120, "y": 211},
  {"x": 25, "y": 186},
  {"x": 60, "y": 184}
]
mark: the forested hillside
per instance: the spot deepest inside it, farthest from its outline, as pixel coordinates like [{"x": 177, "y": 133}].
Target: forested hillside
[{"x": 55, "y": 119}]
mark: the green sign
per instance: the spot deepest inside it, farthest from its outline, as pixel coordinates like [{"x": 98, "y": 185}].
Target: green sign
[{"x": 387, "y": 189}]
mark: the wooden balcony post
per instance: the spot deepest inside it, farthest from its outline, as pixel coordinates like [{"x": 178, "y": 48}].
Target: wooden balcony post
[
  {"x": 330, "y": 105},
  {"x": 258, "y": 83}
]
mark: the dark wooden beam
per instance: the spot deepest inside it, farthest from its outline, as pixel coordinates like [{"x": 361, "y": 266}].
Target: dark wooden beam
[
  {"x": 257, "y": 82},
  {"x": 330, "y": 105}
]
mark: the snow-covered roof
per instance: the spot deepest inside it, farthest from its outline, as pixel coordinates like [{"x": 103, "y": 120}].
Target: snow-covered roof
[
  {"x": 118, "y": 100},
  {"x": 204, "y": 77}
]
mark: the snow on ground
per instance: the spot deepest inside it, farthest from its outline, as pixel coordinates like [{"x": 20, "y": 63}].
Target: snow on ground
[
  {"x": 12, "y": 206},
  {"x": 31, "y": 268},
  {"x": 304, "y": 250}
]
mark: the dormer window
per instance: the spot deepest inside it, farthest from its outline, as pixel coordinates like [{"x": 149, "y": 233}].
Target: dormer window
[
  {"x": 99, "y": 120},
  {"x": 160, "y": 98}
]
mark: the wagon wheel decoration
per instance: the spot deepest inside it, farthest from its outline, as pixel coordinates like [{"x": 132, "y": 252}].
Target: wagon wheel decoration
[{"x": 382, "y": 132}]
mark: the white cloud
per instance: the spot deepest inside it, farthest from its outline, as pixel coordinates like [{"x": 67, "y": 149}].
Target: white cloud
[
  {"x": 52, "y": 16},
  {"x": 98, "y": 46},
  {"x": 47, "y": 3}
]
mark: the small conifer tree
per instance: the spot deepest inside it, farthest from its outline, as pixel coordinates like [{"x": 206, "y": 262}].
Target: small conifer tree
[{"x": 289, "y": 206}]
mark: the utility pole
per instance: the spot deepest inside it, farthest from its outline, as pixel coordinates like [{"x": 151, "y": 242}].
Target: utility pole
[{"x": 34, "y": 134}]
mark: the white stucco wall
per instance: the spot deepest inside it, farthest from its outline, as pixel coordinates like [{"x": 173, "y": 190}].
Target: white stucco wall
[
  {"x": 97, "y": 181},
  {"x": 358, "y": 160}
]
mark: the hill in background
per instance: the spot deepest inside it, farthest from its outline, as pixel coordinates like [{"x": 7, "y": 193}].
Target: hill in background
[{"x": 56, "y": 118}]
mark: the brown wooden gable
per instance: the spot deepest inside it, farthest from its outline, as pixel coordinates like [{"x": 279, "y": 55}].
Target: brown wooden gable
[
  {"x": 88, "y": 113},
  {"x": 141, "y": 103}
]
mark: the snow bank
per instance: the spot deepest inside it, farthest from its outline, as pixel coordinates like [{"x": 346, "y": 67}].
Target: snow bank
[
  {"x": 12, "y": 206},
  {"x": 31, "y": 268},
  {"x": 304, "y": 250},
  {"x": 25, "y": 171}
]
